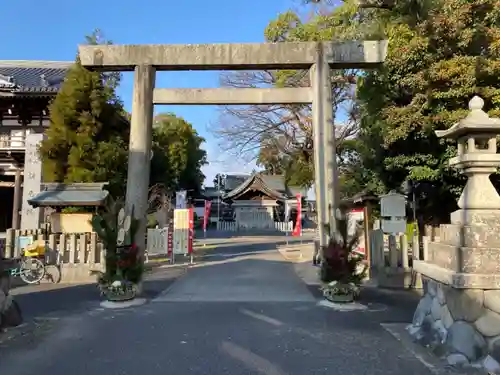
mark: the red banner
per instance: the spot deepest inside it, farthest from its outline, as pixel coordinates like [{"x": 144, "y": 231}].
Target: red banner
[
  {"x": 297, "y": 231},
  {"x": 191, "y": 231},
  {"x": 206, "y": 214},
  {"x": 170, "y": 238}
]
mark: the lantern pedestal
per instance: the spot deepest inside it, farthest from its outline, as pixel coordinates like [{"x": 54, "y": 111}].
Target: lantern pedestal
[{"x": 460, "y": 309}]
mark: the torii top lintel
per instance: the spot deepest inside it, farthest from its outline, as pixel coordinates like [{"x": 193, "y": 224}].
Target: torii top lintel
[{"x": 244, "y": 56}]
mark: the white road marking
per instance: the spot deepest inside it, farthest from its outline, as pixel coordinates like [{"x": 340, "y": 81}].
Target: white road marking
[
  {"x": 261, "y": 317},
  {"x": 389, "y": 327}
]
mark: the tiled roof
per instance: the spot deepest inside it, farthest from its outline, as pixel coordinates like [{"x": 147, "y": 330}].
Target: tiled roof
[
  {"x": 63, "y": 195},
  {"x": 23, "y": 76},
  {"x": 277, "y": 183},
  {"x": 272, "y": 185}
]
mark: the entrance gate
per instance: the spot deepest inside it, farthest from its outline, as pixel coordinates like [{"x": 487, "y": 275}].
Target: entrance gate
[{"x": 318, "y": 57}]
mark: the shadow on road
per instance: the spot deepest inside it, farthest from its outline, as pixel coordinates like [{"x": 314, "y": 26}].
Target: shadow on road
[
  {"x": 228, "y": 263},
  {"x": 60, "y": 299},
  {"x": 245, "y": 241},
  {"x": 210, "y": 234}
]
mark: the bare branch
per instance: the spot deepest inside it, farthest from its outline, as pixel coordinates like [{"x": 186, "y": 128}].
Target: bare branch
[
  {"x": 288, "y": 128},
  {"x": 159, "y": 198}
]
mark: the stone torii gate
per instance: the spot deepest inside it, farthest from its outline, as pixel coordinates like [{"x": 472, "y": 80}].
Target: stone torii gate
[{"x": 318, "y": 57}]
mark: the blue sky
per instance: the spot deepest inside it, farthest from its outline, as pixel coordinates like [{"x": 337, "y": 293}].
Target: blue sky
[{"x": 52, "y": 29}]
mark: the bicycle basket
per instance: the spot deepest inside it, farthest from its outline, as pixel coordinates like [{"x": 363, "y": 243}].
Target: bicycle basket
[{"x": 36, "y": 249}]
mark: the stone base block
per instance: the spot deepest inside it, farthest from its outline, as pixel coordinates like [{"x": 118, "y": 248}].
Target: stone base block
[
  {"x": 458, "y": 280},
  {"x": 470, "y": 235},
  {"x": 398, "y": 278},
  {"x": 465, "y": 259},
  {"x": 476, "y": 217},
  {"x": 79, "y": 273},
  {"x": 456, "y": 323},
  {"x": 123, "y": 305}
]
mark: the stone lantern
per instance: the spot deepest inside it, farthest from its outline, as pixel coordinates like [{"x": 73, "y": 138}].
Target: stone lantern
[
  {"x": 459, "y": 313},
  {"x": 477, "y": 158}
]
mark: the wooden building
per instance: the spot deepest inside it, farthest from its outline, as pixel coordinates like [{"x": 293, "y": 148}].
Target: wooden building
[
  {"x": 262, "y": 199},
  {"x": 26, "y": 89}
]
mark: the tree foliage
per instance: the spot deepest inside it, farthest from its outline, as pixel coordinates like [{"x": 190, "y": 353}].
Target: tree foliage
[
  {"x": 177, "y": 154},
  {"x": 87, "y": 140},
  {"x": 441, "y": 53},
  {"x": 88, "y": 137}
]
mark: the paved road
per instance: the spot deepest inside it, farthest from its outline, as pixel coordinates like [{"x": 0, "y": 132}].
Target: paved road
[
  {"x": 55, "y": 299},
  {"x": 237, "y": 315}
]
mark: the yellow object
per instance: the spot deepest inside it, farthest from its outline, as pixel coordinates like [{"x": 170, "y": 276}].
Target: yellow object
[{"x": 36, "y": 249}]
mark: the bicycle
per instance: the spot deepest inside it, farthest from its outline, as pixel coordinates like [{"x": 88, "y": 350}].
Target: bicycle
[{"x": 29, "y": 267}]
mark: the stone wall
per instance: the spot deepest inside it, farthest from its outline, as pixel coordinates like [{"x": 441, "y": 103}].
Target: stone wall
[
  {"x": 10, "y": 313},
  {"x": 459, "y": 325}
]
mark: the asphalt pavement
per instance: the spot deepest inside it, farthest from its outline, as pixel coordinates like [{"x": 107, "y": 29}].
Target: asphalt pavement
[{"x": 241, "y": 311}]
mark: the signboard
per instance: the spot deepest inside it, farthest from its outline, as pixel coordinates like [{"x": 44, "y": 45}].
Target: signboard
[
  {"x": 393, "y": 212},
  {"x": 298, "y": 224},
  {"x": 287, "y": 212},
  {"x": 23, "y": 242},
  {"x": 394, "y": 225},
  {"x": 180, "y": 199},
  {"x": 356, "y": 218},
  {"x": 182, "y": 232},
  {"x": 393, "y": 205}
]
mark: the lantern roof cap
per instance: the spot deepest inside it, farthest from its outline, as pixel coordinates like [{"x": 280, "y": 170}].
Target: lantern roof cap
[{"x": 477, "y": 121}]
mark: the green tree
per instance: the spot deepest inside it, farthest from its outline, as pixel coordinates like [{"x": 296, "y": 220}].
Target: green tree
[
  {"x": 269, "y": 158},
  {"x": 441, "y": 53},
  {"x": 87, "y": 140},
  {"x": 177, "y": 154}
]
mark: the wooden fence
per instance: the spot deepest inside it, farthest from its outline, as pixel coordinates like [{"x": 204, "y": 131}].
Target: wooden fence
[
  {"x": 392, "y": 259},
  {"x": 233, "y": 226},
  {"x": 156, "y": 242},
  {"x": 76, "y": 255}
]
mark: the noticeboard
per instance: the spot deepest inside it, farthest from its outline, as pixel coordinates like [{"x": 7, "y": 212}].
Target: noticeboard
[
  {"x": 394, "y": 226},
  {"x": 355, "y": 220},
  {"x": 393, "y": 205},
  {"x": 182, "y": 238}
]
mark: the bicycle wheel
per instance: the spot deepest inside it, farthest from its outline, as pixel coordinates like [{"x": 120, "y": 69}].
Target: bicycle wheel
[{"x": 31, "y": 270}]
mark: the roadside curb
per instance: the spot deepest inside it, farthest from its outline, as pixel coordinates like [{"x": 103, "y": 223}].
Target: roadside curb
[
  {"x": 169, "y": 288},
  {"x": 201, "y": 251},
  {"x": 164, "y": 265},
  {"x": 294, "y": 252}
]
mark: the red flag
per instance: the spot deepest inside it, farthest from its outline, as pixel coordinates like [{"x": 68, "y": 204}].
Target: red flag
[
  {"x": 298, "y": 224},
  {"x": 206, "y": 214}
]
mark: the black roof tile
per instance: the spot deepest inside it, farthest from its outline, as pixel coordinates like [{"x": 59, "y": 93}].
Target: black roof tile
[{"x": 32, "y": 76}]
